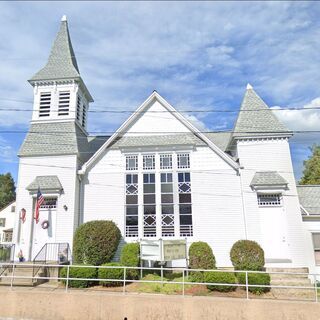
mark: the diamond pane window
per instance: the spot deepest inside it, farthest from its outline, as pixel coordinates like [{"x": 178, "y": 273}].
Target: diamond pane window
[
  {"x": 165, "y": 161},
  {"x": 132, "y": 162},
  {"x": 132, "y": 205},
  {"x": 149, "y": 162},
  {"x": 185, "y": 207},
  {"x": 167, "y": 209},
  {"x": 183, "y": 160},
  {"x": 149, "y": 205}
]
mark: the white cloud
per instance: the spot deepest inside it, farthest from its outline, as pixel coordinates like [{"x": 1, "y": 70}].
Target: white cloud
[{"x": 7, "y": 154}]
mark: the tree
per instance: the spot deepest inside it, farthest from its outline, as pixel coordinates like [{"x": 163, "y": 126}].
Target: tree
[
  {"x": 311, "y": 172},
  {"x": 7, "y": 190}
]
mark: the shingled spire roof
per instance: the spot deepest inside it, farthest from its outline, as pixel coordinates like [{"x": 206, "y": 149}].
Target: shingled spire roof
[
  {"x": 257, "y": 119},
  {"x": 62, "y": 63}
]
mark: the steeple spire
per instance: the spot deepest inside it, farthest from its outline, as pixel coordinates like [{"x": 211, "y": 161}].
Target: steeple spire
[
  {"x": 256, "y": 119},
  {"x": 62, "y": 63}
]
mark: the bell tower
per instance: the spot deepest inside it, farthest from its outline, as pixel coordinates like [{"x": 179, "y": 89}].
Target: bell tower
[{"x": 60, "y": 94}]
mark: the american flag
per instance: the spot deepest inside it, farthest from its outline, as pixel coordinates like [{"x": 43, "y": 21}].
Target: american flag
[{"x": 39, "y": 202}]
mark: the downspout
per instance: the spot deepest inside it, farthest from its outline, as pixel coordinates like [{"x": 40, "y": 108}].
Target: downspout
[{"x": 243, "y": 206}]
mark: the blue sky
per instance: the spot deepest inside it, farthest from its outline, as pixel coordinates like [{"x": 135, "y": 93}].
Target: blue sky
[{"x": 197, "y": 55}]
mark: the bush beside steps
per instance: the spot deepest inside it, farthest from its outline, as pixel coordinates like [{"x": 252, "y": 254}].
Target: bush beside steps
[{"x": 79, "y": 272}]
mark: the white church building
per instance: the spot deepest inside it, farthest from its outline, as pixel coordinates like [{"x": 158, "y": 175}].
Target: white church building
[{"x": 158, "y": 176}]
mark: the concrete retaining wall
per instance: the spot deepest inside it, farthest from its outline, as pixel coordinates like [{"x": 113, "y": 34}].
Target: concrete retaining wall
[{"x": 80, "y": 305}]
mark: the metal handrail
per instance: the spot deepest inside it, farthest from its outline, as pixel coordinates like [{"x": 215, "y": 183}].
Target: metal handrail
[
  {"x": 60, "y": 253},
  {"x": 9, "y": 257},
  {"x": 184, "y": 271}
]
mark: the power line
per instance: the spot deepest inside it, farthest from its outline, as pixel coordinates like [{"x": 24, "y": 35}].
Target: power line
[{"x": 172, "y": 111}]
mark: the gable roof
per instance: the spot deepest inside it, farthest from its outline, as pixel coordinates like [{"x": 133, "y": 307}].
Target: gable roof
[
  {"x": 156, "y": 96},
  {"x": 256, "y": 119},
  {"x": 45, "y": 183},
  {"x": 268, "y": 178},
  {"x": 309, "y": 197},
  {"x": 62, "y": 63}
]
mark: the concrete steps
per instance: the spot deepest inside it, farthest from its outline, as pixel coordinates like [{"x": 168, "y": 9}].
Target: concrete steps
[
  {"x": 291, "y": 278},
  {"x": 22, "y": 276}
]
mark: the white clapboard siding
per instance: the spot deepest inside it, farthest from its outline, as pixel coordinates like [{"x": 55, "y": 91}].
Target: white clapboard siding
[
  {"x": 65, "y": 168},
  {"x": 273, "y": 155},
  {"x": 156, "y": 119}
]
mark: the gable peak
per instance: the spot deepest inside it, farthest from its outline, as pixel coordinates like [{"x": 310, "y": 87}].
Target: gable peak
[
  {"x": 64, "y": 18},
  {"x": 249, "y": 86}
]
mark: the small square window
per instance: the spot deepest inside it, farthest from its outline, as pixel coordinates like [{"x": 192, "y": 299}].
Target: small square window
[
  {"x": 165, "y": 161},
  {"x": 183, "y": 160},
  {"x": 2, "y": 222},
  {"x": 132, "y": 162},
  {"x": 149, "y": 162}
]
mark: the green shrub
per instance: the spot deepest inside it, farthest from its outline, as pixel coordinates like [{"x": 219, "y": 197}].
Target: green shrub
[
  {"x": 220, "y": 277},
  {"x": 247, "y": 255},
  {"x": 255, "y": 279},
  {"x": 79, "y": 272},
  {"x": 111, "y": 273},
  {"x": 200, "y": 257},
  {"x": 130, "y": 257},
  {"x": 96, "y": 242}
]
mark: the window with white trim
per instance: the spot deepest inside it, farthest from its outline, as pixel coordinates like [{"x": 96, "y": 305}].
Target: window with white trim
[
  {"x": 149, "y": 162},
  {"x": 132, "y": 162},
  {"x": 149, "y": 205},
  {"x": 132, "y": 205},
  {"x": 185, "y": 206},
  {"x": 2, "y": 222},
  {"x": 160, "y": 203},
  {"x": 167, "y": 208},
  {"x": 64, "y": 102},
  {"x": 165, "y": 161},
  {"x": 7, "y": 236},
  {"x": 183, "y": 160},
  {"x": 316, "y": 247},
  {"x": 49, "y": 203},
  {"x": 45, "y": 104},
  {"x": 269, "y": 200}
]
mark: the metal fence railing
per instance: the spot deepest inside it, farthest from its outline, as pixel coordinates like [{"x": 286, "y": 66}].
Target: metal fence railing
[{"x": 183, "y": 282}]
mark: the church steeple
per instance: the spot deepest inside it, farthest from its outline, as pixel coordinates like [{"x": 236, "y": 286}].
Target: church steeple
[
  {"x": 59, "y": 91},
  {"x": 62, "y": 62}
]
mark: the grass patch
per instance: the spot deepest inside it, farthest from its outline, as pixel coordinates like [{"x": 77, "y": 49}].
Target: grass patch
[{"x": 166, "y": 288}]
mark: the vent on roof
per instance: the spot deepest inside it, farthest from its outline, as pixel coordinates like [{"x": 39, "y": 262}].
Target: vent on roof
[
  {"x": 64, "y": 102},
  {"x": 84, "y": 115},
  {"x": 78, "y": 108},
  {"x": 45, "y": 102}
]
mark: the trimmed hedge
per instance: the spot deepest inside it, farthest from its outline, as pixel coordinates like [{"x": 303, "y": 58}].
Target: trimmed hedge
[
  {"x": 200, "y": 257},
  {"x": 96, "y": 242},
  {"x": 112, "y": 273},
  {"x": 247, "y": 255},
  {"x": 220, "y": 277},
  {"x": 255, "y": 279},
  {"x": 130, "y": 257},
  {"x": 79, "y": 272}
]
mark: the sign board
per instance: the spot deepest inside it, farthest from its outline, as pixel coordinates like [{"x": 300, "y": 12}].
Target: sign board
[{"x": 163, "y": 250}]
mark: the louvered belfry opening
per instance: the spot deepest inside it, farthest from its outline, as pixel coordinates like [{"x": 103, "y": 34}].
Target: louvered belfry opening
[
  {"x": 64, "y": 103},
  {"x": 45, "y": 103}
]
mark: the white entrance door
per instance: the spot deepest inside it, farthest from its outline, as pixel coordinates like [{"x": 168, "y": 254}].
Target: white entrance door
[
  {"x": 41, "y": 234},
  {"x": 274, "y": 235}
]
